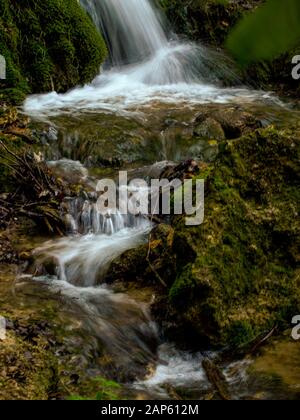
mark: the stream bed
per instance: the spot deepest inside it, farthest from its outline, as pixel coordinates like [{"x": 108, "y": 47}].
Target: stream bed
[{"x": 158, "y": 102}]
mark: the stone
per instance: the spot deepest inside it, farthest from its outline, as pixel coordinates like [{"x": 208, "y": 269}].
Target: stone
[{"x": 210, "y": 129}]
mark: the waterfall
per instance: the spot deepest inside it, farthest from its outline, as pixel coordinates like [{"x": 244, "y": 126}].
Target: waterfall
[
  {"x": 145, "y": 65},
  {"x": 83, "y": 217},
  {"x": 135, "y": 34},
  {"x": 95, "y": 239},
  {"x": 146, "y": 69},
  {"x": 132, "y": 28}
]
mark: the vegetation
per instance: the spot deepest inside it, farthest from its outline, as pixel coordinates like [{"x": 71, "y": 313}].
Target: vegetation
[
  {"x": 48, "y": 45},
  {"x": 108, "y": 390},
  {"x": 272, "y": 30},
  {"x": 236, "y": 276}
]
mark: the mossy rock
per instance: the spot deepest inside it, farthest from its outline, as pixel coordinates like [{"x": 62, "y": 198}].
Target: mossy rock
[
  {"x": 236, "y": 276},
  {"x": 47, "y": 44},
  {"x": 245, "y": 277},
  {"x": 45, "y": 354},
  {"x": 210, "y": 129}
]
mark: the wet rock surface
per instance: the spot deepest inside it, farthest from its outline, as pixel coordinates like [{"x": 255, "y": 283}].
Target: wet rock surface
[{"x": 107, "y": 143}]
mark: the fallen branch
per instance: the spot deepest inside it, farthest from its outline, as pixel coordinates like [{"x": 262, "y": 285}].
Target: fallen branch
[
  {"x": 216, "y": 378},
  {"x": 263, "y": 340},
  {"x": 161, "y": 280}
]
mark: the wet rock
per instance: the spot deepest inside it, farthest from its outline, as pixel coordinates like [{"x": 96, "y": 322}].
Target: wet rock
[
  {"x": 71, "y": 171},
  {"x": 210, "y": 129},
  {"x": 154, "y": 171},
  {"x": 242, "y": 208},
  {"x": 46, "y": 354},
  {"x": 216, "y": 273},
  {"x": 170, "y": 122},
  {"x": 233, "y": 121},
  {"x": 50, "y": 135},
  {"x": 183, "y": 170}
]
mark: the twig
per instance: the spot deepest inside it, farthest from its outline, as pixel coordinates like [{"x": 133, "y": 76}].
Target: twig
[
  {"x": 253, "y": 350},
  {"x": 216, "y": 378}
]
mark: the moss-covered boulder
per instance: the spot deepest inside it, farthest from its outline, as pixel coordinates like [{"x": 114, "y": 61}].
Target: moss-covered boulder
[
  {"x": 47, "y": 44},
  {"x": 245, "y": 277}
]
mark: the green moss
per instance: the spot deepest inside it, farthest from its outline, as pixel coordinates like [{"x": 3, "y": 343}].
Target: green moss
[
  {"x": 240, "y": 333},
  {"x": 47, "y": 44},
  {"x": 107, "y": 390},
  {"x": 244, "y": 279}
]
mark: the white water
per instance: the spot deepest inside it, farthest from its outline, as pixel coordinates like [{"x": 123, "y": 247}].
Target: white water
[
  {"x": 146, "y": 66},
  {"x": 175, "y": 368},
  {"x": 132, "y": 29},
  {"x": 95, "y": 240}
]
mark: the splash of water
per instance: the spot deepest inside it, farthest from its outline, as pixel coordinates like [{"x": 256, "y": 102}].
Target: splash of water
[{"x": 178, "y": 369}]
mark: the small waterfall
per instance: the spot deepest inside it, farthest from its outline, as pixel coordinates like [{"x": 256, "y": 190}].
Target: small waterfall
[
  {"x": 76, "y": 265},
  {"x": 131, "y": 28},
  {"x": 135, "y": 34},
  {"x": 95, "y": 239},
  {"x": 83, "y": 216},
  {"x": 145, "y": 66}
]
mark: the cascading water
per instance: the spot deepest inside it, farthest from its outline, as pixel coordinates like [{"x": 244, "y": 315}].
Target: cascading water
[
  {"x": 95, "y": 240},
  {"x": 144, "y": 66},
  {"x": 132, "y": 29},
  {"x": 113, "y": 320},
  {"x": 79, "y": 261},
  {"x": 135, "y": 34}
]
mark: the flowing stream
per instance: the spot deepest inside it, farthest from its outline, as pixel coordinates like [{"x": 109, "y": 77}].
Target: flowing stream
[{"x": 147, "y": 65}]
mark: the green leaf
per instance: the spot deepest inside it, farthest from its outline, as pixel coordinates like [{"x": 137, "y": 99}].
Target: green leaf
[{"x": 271, "y": 30}]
